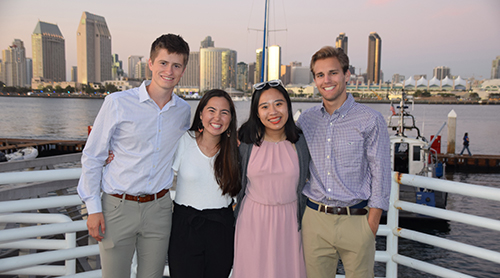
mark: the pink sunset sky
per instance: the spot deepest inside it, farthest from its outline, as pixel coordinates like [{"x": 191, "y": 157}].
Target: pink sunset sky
[{"x": 417, "y": 35}]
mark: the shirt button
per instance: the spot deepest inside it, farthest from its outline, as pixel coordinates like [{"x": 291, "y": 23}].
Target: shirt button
[
  {"x": 154, "y": 166},
  {"x": 329, "y": 189},
  {"x": 328, "y": 140},
  {"x": 331, "y": 124},
  {"x": 328, "y": 157},
  {"x": 328, "y": 173}
]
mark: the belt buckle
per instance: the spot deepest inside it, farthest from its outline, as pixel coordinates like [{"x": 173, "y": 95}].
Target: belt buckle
[
  {"x": 326, "y": 209},
  {"x": 339, "y": 210},
  {"x": 140, "y": 196}
]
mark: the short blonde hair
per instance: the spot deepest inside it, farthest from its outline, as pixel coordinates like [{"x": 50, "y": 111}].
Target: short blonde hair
[{"x": 327, "y": 52}]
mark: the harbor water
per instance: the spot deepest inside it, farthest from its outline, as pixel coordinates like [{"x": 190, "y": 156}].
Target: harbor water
[{"x": 68, "y": 118}]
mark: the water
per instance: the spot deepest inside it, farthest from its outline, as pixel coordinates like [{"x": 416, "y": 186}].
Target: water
[{"x": 47, "y": 118}]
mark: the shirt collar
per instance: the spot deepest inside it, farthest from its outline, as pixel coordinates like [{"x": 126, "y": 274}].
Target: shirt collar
[
  {"x": 344, "y": 109},
  {"x": 144, "y": 95}
]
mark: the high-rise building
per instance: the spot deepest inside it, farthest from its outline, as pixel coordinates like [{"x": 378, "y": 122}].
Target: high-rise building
[
  {"x": 141, "y": 70},
  {"x": 300, "y": 75},
  {"x": 229, "y": 62},
  {"x": 341, "y": 42},
  {"x": 132, "y": 62},
  {"x": 285, "y": 74},
  {"x": 14, "y": 65},
  {"x": 274, "y": 62},
  {"x": 207, "y": 42},
  {"x": 242, "y": 76},
  {"x": 258, "y": 65},
  {"x": 2, "y": 78},
  {"x": 93, "y": 45},
  {"x": 398, "y": 78},
  {"x": 217, "y": 68},
  {"x": 29, "y": 71},
  {"x": 495, "y": 68},
  {"x": 352, "y": 69},
  {"x": 48, "y": 48},
  {"x": 251, "y": 74},
  {"x": 74, "y": 74},
  {"x": 441, "y": 72},
  {"x": 116, "y": 68},
  {"x": 191, "y": 77},
  {"x": 374, "y": 58}
]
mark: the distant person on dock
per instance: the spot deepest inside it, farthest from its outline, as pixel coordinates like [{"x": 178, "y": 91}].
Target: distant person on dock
[
  {"x": 350, "y": 174},
  {"x": 142, "y": 126},
  {"x": 466, "y": 144}
]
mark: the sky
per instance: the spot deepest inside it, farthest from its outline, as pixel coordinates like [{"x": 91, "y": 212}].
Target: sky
[{"x": 417, "y": 35}]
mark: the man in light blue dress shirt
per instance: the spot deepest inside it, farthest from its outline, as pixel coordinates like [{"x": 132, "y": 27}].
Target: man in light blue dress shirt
[
  {"x": 142, "y": 127},
  {"x": 349, "y": 185}
]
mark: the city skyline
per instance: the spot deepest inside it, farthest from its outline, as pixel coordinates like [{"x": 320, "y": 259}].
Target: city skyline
[{"x": 418, "y": 35}]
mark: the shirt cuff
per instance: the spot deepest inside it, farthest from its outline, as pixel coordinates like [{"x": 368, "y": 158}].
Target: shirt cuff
[{"x": 94, "y": 206}]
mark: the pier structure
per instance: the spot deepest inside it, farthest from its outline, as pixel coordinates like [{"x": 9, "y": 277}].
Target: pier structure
[
  {"x": 48, "y": 147},
  {"x": 476, "y": 163}
]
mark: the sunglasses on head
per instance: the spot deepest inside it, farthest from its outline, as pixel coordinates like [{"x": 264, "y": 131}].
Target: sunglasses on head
[{"x": 272, "y": 83}]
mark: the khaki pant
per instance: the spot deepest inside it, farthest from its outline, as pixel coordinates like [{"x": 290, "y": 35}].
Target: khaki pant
[
  {"x": 131, "y": 226},
  {"x": 328, "y": 237}
]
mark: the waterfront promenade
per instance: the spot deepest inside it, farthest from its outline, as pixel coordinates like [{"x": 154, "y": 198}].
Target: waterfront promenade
[{"x": 424, "y": 100}]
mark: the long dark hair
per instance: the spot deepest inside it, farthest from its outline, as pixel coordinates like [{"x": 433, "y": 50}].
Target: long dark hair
[
  {"x": 253, "y": 130},
  {"x": 226, "y": 169}
]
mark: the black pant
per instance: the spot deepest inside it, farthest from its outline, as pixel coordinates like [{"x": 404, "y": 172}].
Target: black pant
[{"x": 201, "y": 243}]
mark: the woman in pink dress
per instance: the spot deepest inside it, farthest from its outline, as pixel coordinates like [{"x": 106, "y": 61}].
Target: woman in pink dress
[{"x": 274, "y": 164}]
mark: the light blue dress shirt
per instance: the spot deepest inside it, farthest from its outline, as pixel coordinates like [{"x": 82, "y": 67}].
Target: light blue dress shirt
[
  {"x": 143, "y": 138},
  {"x": 350, "y": 155}
]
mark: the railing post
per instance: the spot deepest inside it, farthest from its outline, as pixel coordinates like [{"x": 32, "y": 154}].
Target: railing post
[{"x": 392, "y": 224}]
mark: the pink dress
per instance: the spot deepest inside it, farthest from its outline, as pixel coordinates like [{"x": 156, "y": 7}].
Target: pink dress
[{"x": 267, "y": 239}]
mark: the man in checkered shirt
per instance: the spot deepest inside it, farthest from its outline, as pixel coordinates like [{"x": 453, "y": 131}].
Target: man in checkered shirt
[{"x": 349, "y": 185}]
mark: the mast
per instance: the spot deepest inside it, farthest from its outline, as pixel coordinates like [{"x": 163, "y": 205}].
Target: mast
[{"x": 263, "y": 72}]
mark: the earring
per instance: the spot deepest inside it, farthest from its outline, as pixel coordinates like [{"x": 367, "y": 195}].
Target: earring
[
  {"x": 228, "y": 133},
  {"x": 200, "y": 128}
]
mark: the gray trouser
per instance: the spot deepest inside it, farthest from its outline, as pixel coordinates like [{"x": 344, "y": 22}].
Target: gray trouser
[{"x": 132, "y": 226}]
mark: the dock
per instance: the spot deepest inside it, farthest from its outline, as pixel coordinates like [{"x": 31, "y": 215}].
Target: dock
[
  {"x": 476, "y": 163},
  {"x": 45, "y": 148}
]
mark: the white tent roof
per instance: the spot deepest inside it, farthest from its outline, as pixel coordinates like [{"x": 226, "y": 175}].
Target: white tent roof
[
  {"x": 446, "y": 82},
  {"x": 460, "y": 81},
  {"x": 434, "y": 82},
  {"x": 410, "y": 82},
  {"x": 422, "y": 82}
]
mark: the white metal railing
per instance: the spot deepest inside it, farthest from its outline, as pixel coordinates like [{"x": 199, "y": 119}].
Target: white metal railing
[
  {"x": 470, "y": 190},
  {"x": 66, "y": 250},
  {"x": 30, "y": 264}
]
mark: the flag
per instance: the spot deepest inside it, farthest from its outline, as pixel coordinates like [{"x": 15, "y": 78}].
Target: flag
[{"x": 392, "y": 109}]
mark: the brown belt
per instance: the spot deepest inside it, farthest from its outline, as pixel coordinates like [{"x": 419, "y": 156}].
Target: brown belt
[
  {"x": 142, "y": 198},
  {"x": 336, "y": 210}
]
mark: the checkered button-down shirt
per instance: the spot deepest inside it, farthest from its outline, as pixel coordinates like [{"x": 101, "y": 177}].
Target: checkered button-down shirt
[{"x": 350, "y": 155}]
